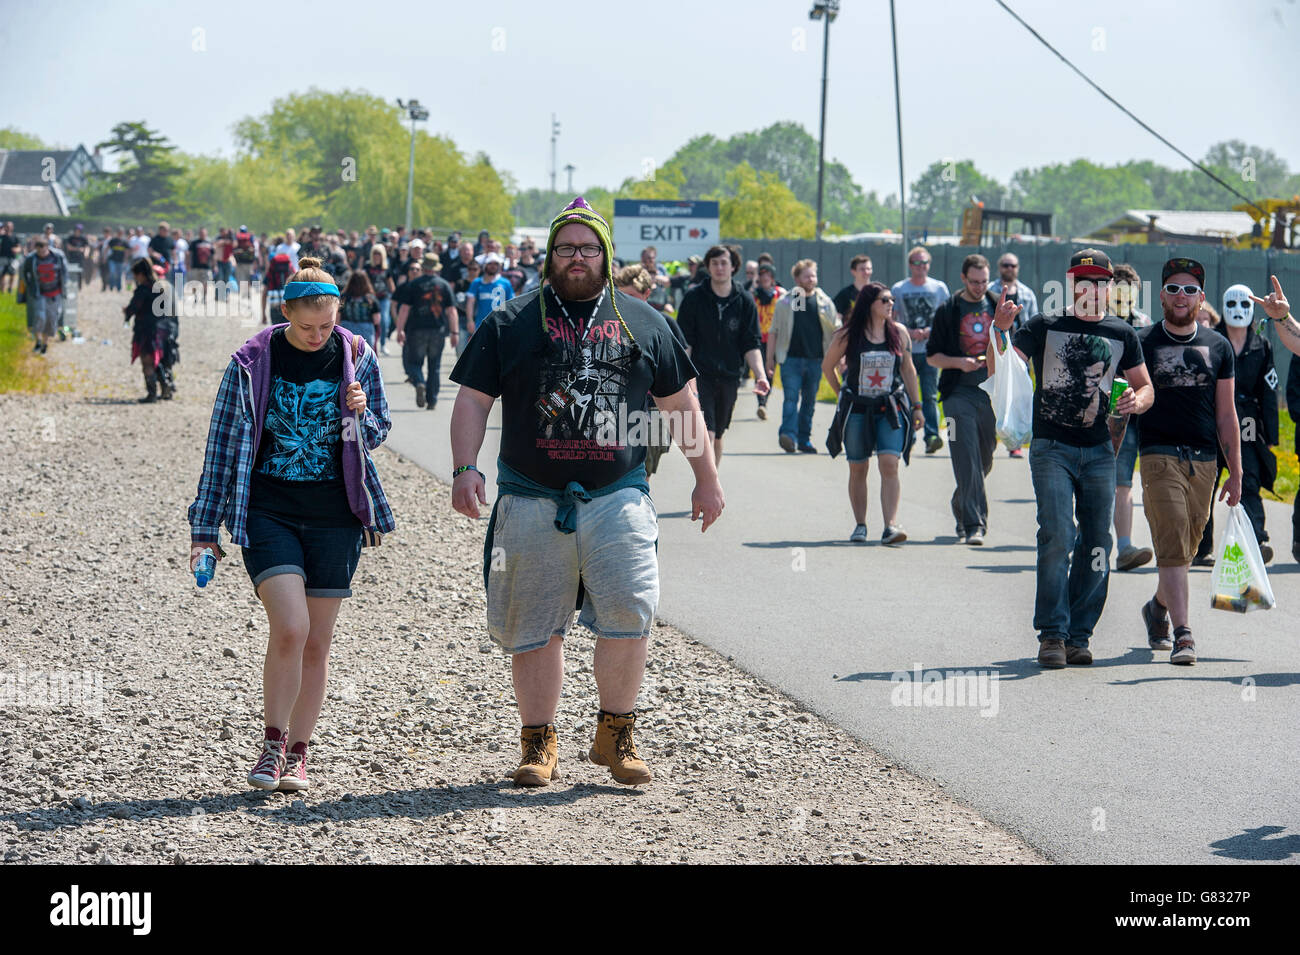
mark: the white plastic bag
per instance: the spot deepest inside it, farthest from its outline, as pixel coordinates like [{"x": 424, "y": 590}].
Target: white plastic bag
[
  {"x": 1239, "y": 582},
  {"x": 1012, "y": 391}
]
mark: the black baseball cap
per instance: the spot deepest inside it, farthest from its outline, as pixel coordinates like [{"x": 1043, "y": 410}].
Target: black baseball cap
[
  {"x": 1090, "y": 262},
  {"x": 1190, "y": 266}
]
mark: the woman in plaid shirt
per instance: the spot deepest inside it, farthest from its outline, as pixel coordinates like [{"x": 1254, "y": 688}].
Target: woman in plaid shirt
[{"x": 288, "y": 470}]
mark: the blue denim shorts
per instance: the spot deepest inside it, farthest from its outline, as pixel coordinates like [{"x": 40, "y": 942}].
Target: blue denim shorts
[
  {"x": 883, "y": 439},
  {"x": 324, "y": 557}
]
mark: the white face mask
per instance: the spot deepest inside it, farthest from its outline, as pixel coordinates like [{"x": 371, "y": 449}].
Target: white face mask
[{"x": 1238, "y": 309}]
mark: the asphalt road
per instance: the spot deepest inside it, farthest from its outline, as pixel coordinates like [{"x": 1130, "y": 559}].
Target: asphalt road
[{"x": 1129, "y": 760}]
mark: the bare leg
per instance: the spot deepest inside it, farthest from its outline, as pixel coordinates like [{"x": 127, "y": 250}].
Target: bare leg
[
  {"x": 890, "y": 488},
  {"x": 323, "y": 611},
  {"x": 619, "y": 666},
  {"x": 1172, "y": 593},
  {"x": 1123, "y": 511},
  {"x": 717, "y": 449},
  {"x": 858, "y": 489},
  {"x": 538, "y": 676},
  {"x": 285, "y": 602}
]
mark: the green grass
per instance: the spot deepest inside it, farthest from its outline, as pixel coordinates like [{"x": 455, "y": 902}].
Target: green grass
[
  {"x": 19, "y": 369},
  {"x": 1288, "y": 469}
]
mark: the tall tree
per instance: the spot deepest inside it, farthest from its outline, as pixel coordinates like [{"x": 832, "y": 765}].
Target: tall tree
[
  {"x": 1080, "y": 195},
  {"x": 13, "y": 138},
  {"x": 147, "y": 179},
  {"x": 758, "y": 205},
  {"x": 945, "y": 189}
]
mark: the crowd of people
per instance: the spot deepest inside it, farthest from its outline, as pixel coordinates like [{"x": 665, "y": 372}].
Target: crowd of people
[{"x": 1191, "y": 395}]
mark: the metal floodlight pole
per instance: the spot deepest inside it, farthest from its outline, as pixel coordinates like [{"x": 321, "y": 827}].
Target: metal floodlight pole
[
  {"x": 416, "y": 112},
  {"x": 569, "y": 170},
  {"x": 898, "y": 118},
  {"x": 827, "y": 9}
]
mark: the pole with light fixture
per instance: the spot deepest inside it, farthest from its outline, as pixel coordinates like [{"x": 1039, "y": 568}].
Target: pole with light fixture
[
  {"x": 826, "y": 10},
  {"x": 416, "y": 113}
]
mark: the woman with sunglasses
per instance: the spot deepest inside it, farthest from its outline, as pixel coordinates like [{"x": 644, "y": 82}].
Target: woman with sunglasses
[{"x": 884, "y": 399}]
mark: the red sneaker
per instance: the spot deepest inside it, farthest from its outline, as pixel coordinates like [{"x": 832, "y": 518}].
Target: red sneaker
[
  {"x": 294, "y": 777},
  {"x": 266, "y": 774}
]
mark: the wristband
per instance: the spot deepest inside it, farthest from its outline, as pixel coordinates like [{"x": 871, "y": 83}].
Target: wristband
[{"x": 463, "y": 468}]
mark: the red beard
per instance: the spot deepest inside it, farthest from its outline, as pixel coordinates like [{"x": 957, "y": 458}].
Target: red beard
[{"x": 576, "y": 288}]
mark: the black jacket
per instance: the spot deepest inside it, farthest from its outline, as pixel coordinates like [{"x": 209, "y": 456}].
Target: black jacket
[
  {"x": 718, "y": 330},
  {"x": 944, "y": 339},
  {"x": 1255, "y": 395}
]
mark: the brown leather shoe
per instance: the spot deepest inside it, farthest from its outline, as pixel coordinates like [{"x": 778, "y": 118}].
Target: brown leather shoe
[
  {"x": 1051, "y": 653},
  {"x": 615, "y": 748},
  {"x": 540, "y": 759}
]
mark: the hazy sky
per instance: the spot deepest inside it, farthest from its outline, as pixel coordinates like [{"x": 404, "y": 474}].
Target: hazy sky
[{"x": 631, "y": 81}]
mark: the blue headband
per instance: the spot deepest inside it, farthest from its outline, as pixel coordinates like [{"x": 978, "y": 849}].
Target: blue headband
[{"x": 302, "y": 289}]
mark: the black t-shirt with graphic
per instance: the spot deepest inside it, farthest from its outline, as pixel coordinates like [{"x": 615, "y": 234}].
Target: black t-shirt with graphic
[
  {"x": 429, "y": 297},
  {"x": 873, "y": 371},
  {"x": 298, "y": 474},
  {"x": 201, "y": 253},
  {"x": 963, "y": 335},
  {"x": 378, "y": 279},
  {"x": 573, "y": 393},
  {"x": 1186, "y": 375},
  {"x": 117, "y": 247},
  {"x": 359, "y": 310},
  {"x": 1075, "y": 362},
  {"x": 845, "y": 298},
  {"x": 74, "y": 247}
]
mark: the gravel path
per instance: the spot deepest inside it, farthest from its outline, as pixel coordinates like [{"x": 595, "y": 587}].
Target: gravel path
[{"x": 417, "y": 740}]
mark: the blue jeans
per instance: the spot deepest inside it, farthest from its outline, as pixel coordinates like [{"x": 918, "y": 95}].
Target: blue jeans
[
  {"x": 929, "y": 393},
  {"x": 385, "y": 305},
  {"x": 1072, "y": 588},
  {"x": 800, "y": 378},
  {"x": 115, "y": 274}
]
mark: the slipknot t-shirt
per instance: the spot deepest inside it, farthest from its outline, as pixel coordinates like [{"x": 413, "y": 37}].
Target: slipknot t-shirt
[{"x": 574, "y": 388}]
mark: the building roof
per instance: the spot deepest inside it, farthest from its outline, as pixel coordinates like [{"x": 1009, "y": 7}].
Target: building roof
[
  {"x": 1178, "y": 222},
  {"x": 44, "y": 200},
  {"x": 23, "y": 167}
]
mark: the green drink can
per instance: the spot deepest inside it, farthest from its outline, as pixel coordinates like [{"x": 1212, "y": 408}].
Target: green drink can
[{"x": 1117, "y": 389}]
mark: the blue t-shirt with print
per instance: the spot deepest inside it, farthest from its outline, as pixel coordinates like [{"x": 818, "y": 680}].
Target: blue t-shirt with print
[{"x": 489, "y": 296}]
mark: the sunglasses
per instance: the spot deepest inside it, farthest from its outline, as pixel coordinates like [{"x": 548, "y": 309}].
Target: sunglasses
[
  {"x": 888, "y": 300},
  {"x": 918, "y": 262},
  {"x": 1172, "y": 289}
]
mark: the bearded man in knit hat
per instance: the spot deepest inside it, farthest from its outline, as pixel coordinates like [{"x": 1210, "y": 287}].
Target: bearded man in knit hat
[{"x": 573, "y": 526}]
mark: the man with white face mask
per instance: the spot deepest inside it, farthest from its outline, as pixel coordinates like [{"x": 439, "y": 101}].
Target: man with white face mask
[{"x": 1256, "y": 400}]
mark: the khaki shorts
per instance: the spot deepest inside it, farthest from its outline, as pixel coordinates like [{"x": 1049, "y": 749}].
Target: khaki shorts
[
  {"x": 1177, "y": 505},
  {"x": 535, "y": 569}
]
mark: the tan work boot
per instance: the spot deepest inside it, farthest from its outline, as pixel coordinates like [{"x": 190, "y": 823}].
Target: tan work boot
[
  {"x": 615, "y": 748},
  {"x": 537, "y": 766}
]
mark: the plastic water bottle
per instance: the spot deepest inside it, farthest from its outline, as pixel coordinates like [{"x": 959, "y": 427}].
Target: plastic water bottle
[{"x": 205, "y": 567}]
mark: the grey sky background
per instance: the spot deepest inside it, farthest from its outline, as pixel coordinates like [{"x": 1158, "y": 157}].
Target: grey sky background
[{"x": 636, "y": 80}]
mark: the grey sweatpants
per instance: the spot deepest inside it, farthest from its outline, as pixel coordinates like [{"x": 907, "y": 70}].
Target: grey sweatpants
[{"x": 972, "y": 438}]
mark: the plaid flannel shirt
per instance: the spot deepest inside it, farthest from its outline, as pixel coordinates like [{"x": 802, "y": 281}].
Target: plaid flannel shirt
[{"x": 228, "y": 460}]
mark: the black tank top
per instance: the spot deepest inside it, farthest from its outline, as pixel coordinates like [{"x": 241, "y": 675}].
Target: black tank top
[{"x": 873, "y": 371}]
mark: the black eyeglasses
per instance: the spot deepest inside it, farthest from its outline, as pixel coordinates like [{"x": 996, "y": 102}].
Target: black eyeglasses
[
  {"x": 1008, "y": 265},
  {"x": 569, "y": 251},
  {"x": 1172, "y": 289}
]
